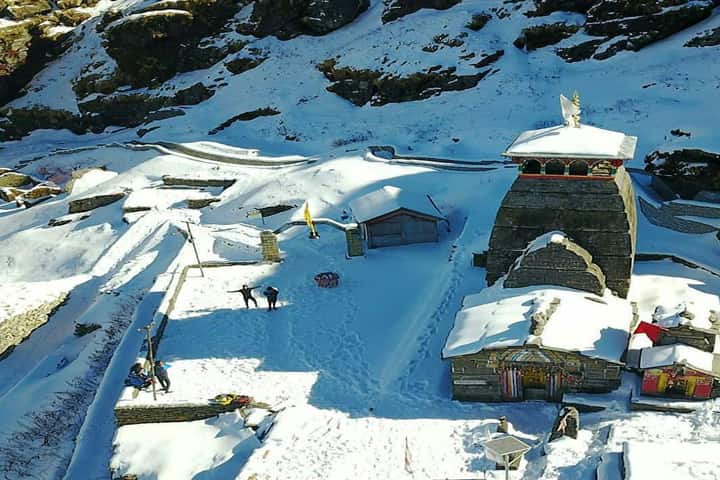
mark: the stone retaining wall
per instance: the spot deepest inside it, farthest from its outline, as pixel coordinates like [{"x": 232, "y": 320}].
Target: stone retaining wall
[
  {"x": 664, "y": 217},
  {"x": 16, "y": 329},
  {"x": 168, "y": 413},
  {"x": 680, "y": 209},
  {"x": 91, "y": 203}
]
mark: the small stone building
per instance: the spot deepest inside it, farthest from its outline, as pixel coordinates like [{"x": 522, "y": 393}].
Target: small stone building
[
  {"x": 680, "y": 371},
  {"x": 554, "y": 259},
  {"x": 571, "y": 178},
  {"x": 391, "y": 216},
  {"x": 688, "y": 325},
  {"x": 536, "y": 343}
]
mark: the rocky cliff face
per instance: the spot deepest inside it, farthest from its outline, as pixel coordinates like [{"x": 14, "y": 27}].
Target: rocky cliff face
[
  {"x": 287, "y": 19},
  {"x": 688, "y": 171},
  {"x": 32, "y": 33},
  {"x": 142, "y": 48}
]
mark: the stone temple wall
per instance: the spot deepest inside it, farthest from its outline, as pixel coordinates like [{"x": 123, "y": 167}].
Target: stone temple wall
[{"x": 598, "y": 215}]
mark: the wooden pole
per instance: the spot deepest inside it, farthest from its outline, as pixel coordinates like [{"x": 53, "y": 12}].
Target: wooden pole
[
  {"x": 150, "y": 357},
  {"x": 197, "y": 257}
]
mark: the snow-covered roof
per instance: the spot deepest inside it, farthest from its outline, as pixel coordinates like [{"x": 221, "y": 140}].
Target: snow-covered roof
[
  {"x": 667, "y": 355},
  {"x": 584, "y": 141},
  {"x": 686, "y": 313},
  {"x": 389, "y": 199},
  {"x": 638, "y": 341},
  {"x": 500, "y": 317}
]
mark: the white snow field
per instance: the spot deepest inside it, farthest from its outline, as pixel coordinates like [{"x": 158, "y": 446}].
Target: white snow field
[{"x": 356, "y": 369}]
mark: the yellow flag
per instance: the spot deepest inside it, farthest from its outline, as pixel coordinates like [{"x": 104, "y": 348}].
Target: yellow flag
[{"x": 308, "y": 220}]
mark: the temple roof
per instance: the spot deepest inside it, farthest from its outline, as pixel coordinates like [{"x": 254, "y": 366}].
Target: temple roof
[
  {"x": 564, "y": 141},
  {"x": 577, "y": 321}
]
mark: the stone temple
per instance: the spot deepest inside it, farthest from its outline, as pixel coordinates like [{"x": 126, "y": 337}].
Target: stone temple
[{"x": 572, "y": 182}]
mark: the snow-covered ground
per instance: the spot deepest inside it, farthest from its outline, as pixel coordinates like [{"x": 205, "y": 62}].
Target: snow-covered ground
[{"x": 358, "y": 367}]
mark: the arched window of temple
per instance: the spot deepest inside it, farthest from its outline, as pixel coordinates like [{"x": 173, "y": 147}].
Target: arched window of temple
[
  {"x": 579, "y": 167},
  {"x": 531, "y": 166},
  {"x": 554, "y": 167}
]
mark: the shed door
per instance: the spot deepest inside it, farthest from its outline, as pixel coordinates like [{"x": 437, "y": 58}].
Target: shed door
[
  {"x": 385, "y": 234},
  {"x": 401, "y": 229}
]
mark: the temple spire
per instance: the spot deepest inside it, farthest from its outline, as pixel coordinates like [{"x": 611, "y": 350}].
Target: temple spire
[{"x": 571, "y": 109}]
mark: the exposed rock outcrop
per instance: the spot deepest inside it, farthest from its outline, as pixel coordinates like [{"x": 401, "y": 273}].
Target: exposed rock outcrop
[
  {"x": 36, "y": 32},
  {"x": 286, "y": 19},
  {"x": 546, "y": 7},
  {"x": 478, "y": 21},
  {"x": 131, "y": 109},
  {"x": 709, "y": 38},
  {"x": 539, "y": 36},
  {"x": 378, "y": 88},
  {"x": 621, "y": 25},
  {"x": 153, "y": 44},
  {"x": 688, "y": 171},
  {"x": 25, "y": 49},
  {"x": 245, "y": 117},
  {"x": 395, "y": 9}
]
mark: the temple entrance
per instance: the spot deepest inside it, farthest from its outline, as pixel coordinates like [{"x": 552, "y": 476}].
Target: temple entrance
[{"x": 532, "y": 382}]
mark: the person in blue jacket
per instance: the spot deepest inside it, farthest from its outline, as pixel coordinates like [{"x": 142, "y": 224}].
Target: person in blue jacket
[
  {"x": 137, "y": 378},
  {"x": 162, "y": 375}
]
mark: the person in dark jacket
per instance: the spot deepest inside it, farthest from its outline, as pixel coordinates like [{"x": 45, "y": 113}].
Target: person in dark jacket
[
  {"x": 162, "y": 375},
  {"x": 137, "y": 378},
  {"x": 247, "y": 295},
  {"x": 271, "y": 293}
]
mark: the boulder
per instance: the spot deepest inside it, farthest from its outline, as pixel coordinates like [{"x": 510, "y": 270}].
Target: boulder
[
  {"x": 539, "y": 36},
  {"x": 686, "y": 172},
  {"x": 18, "y": 122},
  {"x": 478, "y": 21},
  {"x": 27, "y": 9},
  {"x": 243, "y": 64},
  {"x": 15, "y": 179},
  {"x": 378, "y": 88}
]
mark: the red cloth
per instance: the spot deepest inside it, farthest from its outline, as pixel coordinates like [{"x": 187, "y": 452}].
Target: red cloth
[{"x": 649, "y": 329}]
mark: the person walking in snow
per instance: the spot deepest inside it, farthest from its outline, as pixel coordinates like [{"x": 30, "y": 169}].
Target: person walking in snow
[
  {"x": 162, "y": 375},
  {"x": 271, "y": 293},
  {"x": 247, "y": 295}
]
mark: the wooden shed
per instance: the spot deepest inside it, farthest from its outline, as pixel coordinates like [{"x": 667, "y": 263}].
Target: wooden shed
[
  {"x": 680, "y": 371},
  {"x": 391, "y": 216},
  {"x": 536, "y": 343}
]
